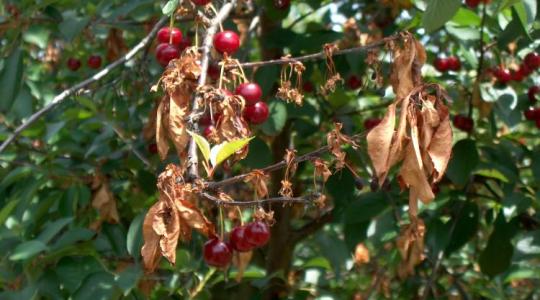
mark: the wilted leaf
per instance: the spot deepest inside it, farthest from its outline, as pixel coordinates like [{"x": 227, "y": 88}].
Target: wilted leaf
[
  {"x": 379, "y": 140},
  {"x": 258, "y": 178},
  {"x": 241, "y": 260},
  {"x": 103, "y": 200},
  {"x": 161, "y": 130},
  {"x": 414, "y": 177},
  {"x": 410, "y": 244},
  {"x": 178, "y": 106},
  {"x": 440, "y": 147},
  {"x": 193, "y": 217}
]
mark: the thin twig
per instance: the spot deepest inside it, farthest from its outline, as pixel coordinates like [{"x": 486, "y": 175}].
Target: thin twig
[
  {"x": 193, "y": 160},
  {"x": 76, "y": 88},
  {"x": 303, "y": 200},
  {"x": 319, "y": 55}
]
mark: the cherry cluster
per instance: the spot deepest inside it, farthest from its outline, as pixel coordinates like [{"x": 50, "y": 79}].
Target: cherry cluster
[
  {"x": 533, "y": 113},
  {"x": 450, "y": 63},
  {"x": 93, "y": 62},
  {"x": 171, "y": 44},
  {"x": 530, "y": 63},
  {"x": 218, "y": 253}
]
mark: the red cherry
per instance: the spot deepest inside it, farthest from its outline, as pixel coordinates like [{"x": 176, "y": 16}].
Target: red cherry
[
  {"x": 217, "y": 253},
  {"x": 537, "y": 122},
  {"x": 353, "y": 82},
  {"x": 213, "y": 72},
  {"x": 517, "y": 75},
  {"x": 250, "y": 91},
  {"x": 256, "y": 113},
  {"x": 532, "y": 60},
  {"x": 282, "y": 4},
  {"x": 152, "y": 148},
  {"x": 526, "y": 71},
  {"x": 208, "y": 131},
  {"x": 441, "y": 64},
  {"x": 257, "y": 233},
  {"x": 226, "y": 42},
  {"x": 308, "y": 87},
  {"x": 486, "y": 1},
  {"x": 201, "y": 2},
  {"x": 94, "y": 62},
  {"x": 533, "y": 90},
  {"x": 206, "y": 120},
  {"x": 453, "y": 63},
  {"x": 227, "y": 93},
  {"x": 503, "y": 75},
  {"x": 164, "y": 35},
  {"x": 165, "y": 53},
  {"x": 73, "y": 64},
  {"x": 371, "y": 123},
  {"x": 472, "y": 3},
  {"x": 532, "y": 113},
  {"x": 184, "y": 43},
  {"x": 435, "y": 188},
  {"x": 238, "y": 239},
  {"x": 463, "y": 123}
]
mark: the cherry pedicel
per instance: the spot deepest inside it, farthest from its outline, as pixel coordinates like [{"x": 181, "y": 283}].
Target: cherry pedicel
[
  {"x": 441, "y": 64},
  {"x": 463, "y": 123},
  {"x": 165, "y": 53},
  {"x": 201, "y": 2},
  {"x": 165, "y": 33},
  {"x": 73, "y": 64},
  {"x": 533, "y": 90},
  {"x": 353, "y": 82},
  {"x": 257, "y": 233},
  {"x": 226, "y": 42},
  {"x": 238, "y": 239},
  {"x": 216, "y": 253},
  {"x": 532, "y": 60},
  {"x": 256, "y": 113},
  {"x": 94, "y": 62},
  {"x": 250, "y": 91}
]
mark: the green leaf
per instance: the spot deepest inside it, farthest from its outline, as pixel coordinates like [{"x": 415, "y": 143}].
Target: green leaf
[
  {"x": 497, "y": 255},
  {"x": 7, "y": 209},
  {"x": 72, "y": 25},
  {"x": 438, "y": 12},
  {"x": 99, "y": 285},
  {"x": 221, "y": 152},
  {"x": 278, "y": 117},
  {"x": 134, "y": 239},
  {"x": 53, "y": 229},
  {"x": 170, "y": 7},
  {"x": 466, "y": 17},
  {"x": 128, "y": 279},
  {"x": 465, "y": 216},
  {"x": 365, "y": 207},
  {"x": 27, "y": 250},
  {"x": 37, "y": 35},
  {"x": 10, "y": 79},
  {"x": 202, "y": 144},
  {"x": 464, "y": 161},
  {"x": 526, "y": 11},
  {"x": 492, "y": 173},
  {"x": 514, "y": 204}
]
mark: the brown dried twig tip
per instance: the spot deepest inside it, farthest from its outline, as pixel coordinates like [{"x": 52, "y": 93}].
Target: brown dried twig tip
[
  {"x": 332, "y": 77},
  {"x": 286, "y": 91},
  {"x": 309, "y": 199}
]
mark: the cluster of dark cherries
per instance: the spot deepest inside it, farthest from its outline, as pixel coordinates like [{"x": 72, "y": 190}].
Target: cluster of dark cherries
[
  {"x": 217, "y": 253},
  {"x": 93, "y": 62}
]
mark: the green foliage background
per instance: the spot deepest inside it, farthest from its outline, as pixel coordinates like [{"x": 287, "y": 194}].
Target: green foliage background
[{"x": 482, "y": 228}]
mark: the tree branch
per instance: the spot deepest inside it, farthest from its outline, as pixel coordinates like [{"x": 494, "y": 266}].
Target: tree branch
[
  {"x": 193, "y": 160},
  {"x": 312, "y": 227},
  {"x": 304, "y": 200},
  {"x": 76, "y": 88},
  {"x": 318, "y": 55}
]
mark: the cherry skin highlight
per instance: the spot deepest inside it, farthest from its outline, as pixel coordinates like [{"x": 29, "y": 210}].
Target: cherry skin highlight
[
  {"x": 216, "y": 253},
  {"x": 250, "y": 91},
  {"x": 256, "y": 113},
  {"x": 73, "y": 64},
  {"x": 257, "y": 233},
  {"x": 226, "y": 42},
  {"x": 94, "y": 62},
  {"x": 165, "y": 33}
]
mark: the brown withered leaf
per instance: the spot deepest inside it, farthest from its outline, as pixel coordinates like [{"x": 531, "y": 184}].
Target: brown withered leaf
[
  {"x": 103, "y": 200},
  {"x": 321, "y": 169},
  {"x": 241, "y": 260},
  {"x": 115, "y": 44},
  {"x": 402, "y": 74},
  {"x": 379, "y": 140},
  {"x": 178, "y": 106},
  {"x": 286, "y": 188},
  {"x": 162, "y": 117},
  {"x": 160, "y": 233},
  {"x": 193, "y": 217},
  {"x": 149, "y": 129},
  {"x": 410, "y": 244},
  {"x": 258, "y": 179},
  {"x": 440, "y": 148},
  {"x": 361, "y": 254},
  {"x": 414, "y": 177}
]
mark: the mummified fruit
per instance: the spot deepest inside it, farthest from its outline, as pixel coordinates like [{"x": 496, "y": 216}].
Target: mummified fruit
[
  {"x": 257, "y": 233},
  {"x": 216, "y": 253}
]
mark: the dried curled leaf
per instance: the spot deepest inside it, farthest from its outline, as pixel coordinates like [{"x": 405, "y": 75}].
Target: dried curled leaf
[
  {"x": 379, "y": 141},
  {"x": 103, "y": 200},
  {"x": 321, "y": 169},
  {"x": 162, "y": 120},
  {"x": 410, "y": 244},
  {"x": 241, "y": 260},
  {"x": 335, "y": 140},
  {"x": 258, "y": 178}
]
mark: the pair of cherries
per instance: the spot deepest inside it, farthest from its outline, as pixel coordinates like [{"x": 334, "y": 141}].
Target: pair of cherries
[
  {"x": 171, "y": 44},
  {"x": 93, "y": 62},
  {"x": 217, "y": 253},
  {"x": 450, "y": 63}
]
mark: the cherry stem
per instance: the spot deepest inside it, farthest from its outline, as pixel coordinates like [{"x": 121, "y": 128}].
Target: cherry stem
[
  {"x": 171, "y": 24},
  {"x": 221, "y": 72},
  {"x": 221, "y": 222}
]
